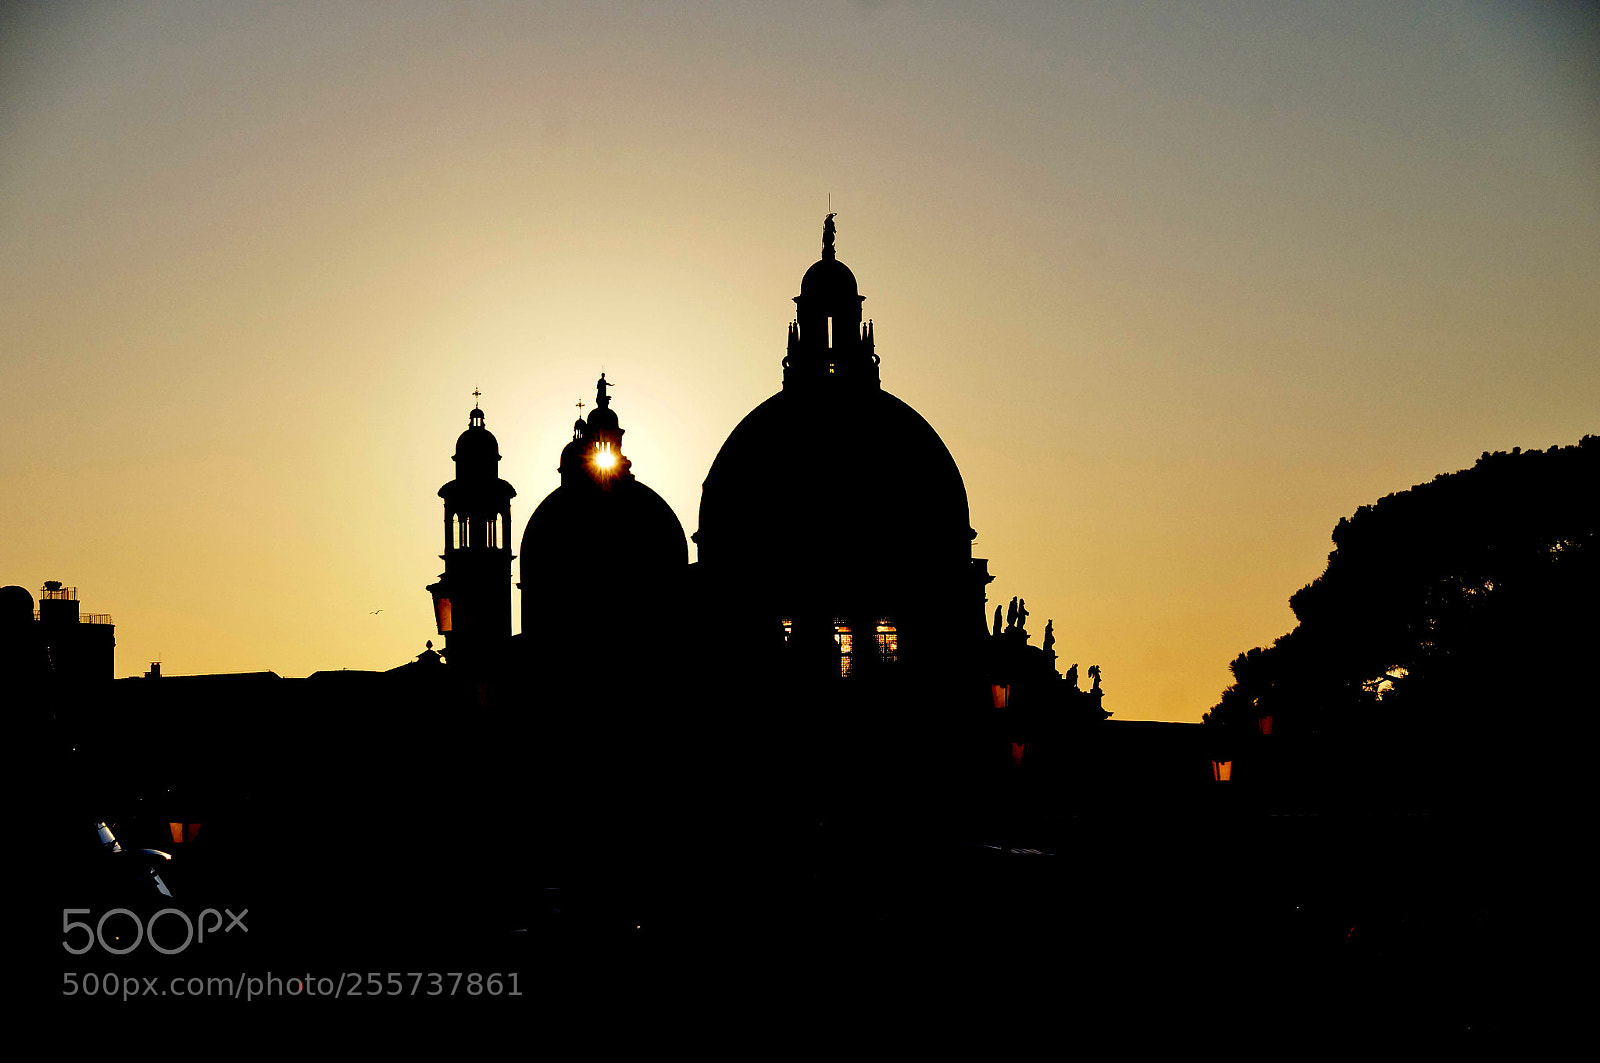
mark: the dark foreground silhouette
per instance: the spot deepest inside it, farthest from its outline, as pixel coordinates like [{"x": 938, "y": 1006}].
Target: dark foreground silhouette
[{"x": 806, "y": 778}]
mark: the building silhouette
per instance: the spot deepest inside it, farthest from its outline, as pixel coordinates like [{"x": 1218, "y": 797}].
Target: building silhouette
[
  {"x": 829, "y": 644},
  {"x": 56, "y": 642},
  {"x": 807, "y": 750},
  {"x": 603, "y": 553},
  {"x": 837, "y": 515},
  {"x": 472, "y": 600}
]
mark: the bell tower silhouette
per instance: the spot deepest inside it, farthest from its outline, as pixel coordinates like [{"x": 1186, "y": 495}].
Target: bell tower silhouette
[{"x": 472, "y": 600}]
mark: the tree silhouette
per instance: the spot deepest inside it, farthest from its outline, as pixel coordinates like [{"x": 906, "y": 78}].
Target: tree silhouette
[{"x": 1449, "y": 618}]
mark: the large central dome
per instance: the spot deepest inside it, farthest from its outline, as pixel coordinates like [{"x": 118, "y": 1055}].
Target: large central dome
[
  {"x": 850, "y": 485},
  {"x": 833, "y": 498}
]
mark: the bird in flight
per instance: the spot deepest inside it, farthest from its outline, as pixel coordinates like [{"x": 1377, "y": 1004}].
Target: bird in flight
[{"x": 375, "y": 612}]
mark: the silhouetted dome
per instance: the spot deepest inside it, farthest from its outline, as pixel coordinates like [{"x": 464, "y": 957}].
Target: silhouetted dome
[
  {"x": 600, "y": 543},
  {"x": 828, "y": 278},
  {"x": 833, "y": 488},
  {"x": 16, "y": 606},
  {"x": 477, "y": 445},
  {"x": 477, "y": 451},
  {"x": 853, "y": 482},
  {"x": 602, "y": 418},
  {"x": 584, "y": 529}
]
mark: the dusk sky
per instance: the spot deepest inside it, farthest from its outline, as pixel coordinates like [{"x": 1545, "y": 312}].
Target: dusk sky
[{"x": 1178, "y": 284}]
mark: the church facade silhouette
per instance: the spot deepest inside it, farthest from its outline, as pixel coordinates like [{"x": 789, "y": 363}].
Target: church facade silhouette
[
  {"x": 834, "y": 511},
  {"x": 835, "y": 584},
  {"x": 808, "y": 747}
]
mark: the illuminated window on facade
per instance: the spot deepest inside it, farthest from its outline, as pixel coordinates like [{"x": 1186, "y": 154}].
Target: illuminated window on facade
[
  {"x": 788, "y": 629},
  {"x": 846, "y": 640},
  {"x": 888, "y": 640}
]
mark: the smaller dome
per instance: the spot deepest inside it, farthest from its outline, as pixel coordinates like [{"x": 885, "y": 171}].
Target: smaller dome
[
  {"x": 829, "y": 278},
  {"x": 628, "y": 529},
  {"x": 574, "y": 459},
  {"x": 16, "y": 606},
  {"x": 602, "y": 418},
  {"x": 477, "y": 445}
]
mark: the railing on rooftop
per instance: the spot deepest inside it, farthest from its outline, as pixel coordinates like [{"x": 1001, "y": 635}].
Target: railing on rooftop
[{"x": 87, "y": 618}]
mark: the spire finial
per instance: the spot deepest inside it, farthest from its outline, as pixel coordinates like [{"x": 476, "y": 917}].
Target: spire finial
[
  {"x": 827, "y": 235},
  {"x": 476, "y": 395}
]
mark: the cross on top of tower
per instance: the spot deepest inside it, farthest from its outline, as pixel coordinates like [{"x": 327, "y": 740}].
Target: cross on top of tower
[{"x": 476, "y": 394}]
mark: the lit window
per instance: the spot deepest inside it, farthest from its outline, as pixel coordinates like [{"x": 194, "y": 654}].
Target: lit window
[
  {"x": 788, "y": 629},
  {"x": 888, "y": 640},
  {"x": 846, "y": 640}
]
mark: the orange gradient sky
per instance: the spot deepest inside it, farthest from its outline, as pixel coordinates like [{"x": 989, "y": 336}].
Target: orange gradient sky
[{"x": 1178, "y": 284}]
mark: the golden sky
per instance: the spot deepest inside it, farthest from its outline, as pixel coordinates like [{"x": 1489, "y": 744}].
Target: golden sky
[{"x": 1178, "y": 284}]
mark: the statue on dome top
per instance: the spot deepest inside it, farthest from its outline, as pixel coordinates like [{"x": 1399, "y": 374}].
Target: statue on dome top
[
  {"x": 600, "y": 396},
  {"x": 827, "y": 236}
]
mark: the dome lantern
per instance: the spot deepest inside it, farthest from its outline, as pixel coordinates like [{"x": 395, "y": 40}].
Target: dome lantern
[{"x": 828, "y": 345}]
